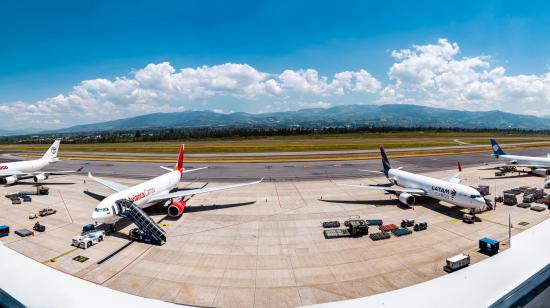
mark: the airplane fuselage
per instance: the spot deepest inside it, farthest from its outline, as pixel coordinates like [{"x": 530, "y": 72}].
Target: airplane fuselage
[
  {"x": 27, "y": 166},
  {"x": 140, "y": 195},
  {"x": 527, "y": 160},
  {"x": 457, "y": 194}
]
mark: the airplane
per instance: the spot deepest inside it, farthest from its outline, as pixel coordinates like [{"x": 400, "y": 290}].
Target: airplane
[
  {"x": 10, "y": 173},
  {"x": 156, "y": 190},
  {"x": 536, "y": 165},
  {"x": 406, "y": 185}
]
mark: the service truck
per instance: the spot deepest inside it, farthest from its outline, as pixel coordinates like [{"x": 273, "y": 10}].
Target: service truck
[
  {"x": 88, "y": 239},
  {"x": 457, "y": 262}
]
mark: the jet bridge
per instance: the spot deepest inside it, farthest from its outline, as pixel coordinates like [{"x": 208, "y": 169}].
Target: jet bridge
[{"x": 150, "y": 229}]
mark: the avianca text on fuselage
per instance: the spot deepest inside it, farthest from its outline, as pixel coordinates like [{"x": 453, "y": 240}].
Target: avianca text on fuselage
[{"x": 146, "y": 192}]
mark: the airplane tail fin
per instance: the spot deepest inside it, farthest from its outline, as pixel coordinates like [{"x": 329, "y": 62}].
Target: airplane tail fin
[
  {"x": 497, "y": 150},
  {"x": 385, "y": 161},
  {"x": 51, "y": 153},
  {"x": 179, "y": 165}
]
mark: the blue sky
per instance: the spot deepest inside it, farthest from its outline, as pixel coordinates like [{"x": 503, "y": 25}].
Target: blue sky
[{"x": 495, "y": 51}]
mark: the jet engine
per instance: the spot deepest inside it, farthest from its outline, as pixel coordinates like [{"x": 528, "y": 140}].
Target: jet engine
[
  {"x": 175, "y": 209},
  {"x": 39, "y": 177},
  {"x": 541, "y": 171},
  {"x": 9, "y": 180},
  {"x": 406, "y": 198}
]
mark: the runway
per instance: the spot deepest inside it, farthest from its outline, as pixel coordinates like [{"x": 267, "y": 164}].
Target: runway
[{"x": 293, "y": 171}]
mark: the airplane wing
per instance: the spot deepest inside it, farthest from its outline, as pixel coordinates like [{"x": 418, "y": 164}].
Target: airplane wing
[
  {"x": 191, "y": 170},
  {"x": 191, "y": 192},
  {"x": 112, "y": 185},
  {"x": 23, "y": 175},
  {"x": 60, "y": 172},
  {"x": 516, "y": 165},
  {"x": 390, "y": 189},
  {"x": 453, "y": 178},
  {"x": 372, "y": 171},
  {"x": 184, "y": 171}
]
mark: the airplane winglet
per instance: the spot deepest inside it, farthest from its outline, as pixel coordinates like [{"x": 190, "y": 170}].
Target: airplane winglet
[{"x": 459, "y": 167}]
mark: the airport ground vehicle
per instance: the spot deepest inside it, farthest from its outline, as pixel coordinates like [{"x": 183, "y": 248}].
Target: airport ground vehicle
[
  {"x": 33, "y": 216},
  {"x": 407, "y": 223},
  {"x": 137, "y": 234},
  {"x": 38, "y": 227},
  {"x": 88, "y": 228},
  {"x": 468, "y": 218},
  {"x": 488, "y": 245},
  {"x": 457, "y": 262},
  {"x": 4, "y": 230},
  {"x": 46, "y": 212},
  {"x": 88, "y": 239},
  {"x": 26, "y": 198},
  {"x": 420, "y": 226}
]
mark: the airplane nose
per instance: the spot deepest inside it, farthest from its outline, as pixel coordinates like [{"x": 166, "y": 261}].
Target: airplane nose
[{"x": 96, "y": 216}]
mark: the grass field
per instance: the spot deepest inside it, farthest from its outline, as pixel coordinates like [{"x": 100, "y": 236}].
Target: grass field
[{"x": 293, "y": 143}]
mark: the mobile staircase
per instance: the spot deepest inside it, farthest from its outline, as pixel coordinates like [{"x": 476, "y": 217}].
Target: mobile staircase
[{"x": 150, "y": 229}]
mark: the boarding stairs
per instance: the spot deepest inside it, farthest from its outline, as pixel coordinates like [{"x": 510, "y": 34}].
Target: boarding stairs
[{"x": 128, "y": 209}]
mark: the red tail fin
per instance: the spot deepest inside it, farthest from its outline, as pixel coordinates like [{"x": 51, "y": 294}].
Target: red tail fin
[
  {"x": 459, "y": 167},
  {"x": 179, "y": 165}
]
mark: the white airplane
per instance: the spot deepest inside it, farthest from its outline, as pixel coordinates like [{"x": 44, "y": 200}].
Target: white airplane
[
  {"x": 12, "y": 172},
  {"x": 537, "y": 165},
  {"x": 152, "y": 192},
  {"x": 406, "y": 185}
]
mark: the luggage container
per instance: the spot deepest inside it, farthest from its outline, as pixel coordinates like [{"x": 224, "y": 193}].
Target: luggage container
[
  {"x": 510, "y": 199},
  {"x": 407, "y": 223},
  {"x": 488, "y": 245},
  {"x": 420, "y": 226},
  {"x": 457, "y": 262},
  {"x": 389, "y": 227},
  {"x": 483, "y": 190},
  {"x": 379, "y": 236},
  {"x": 336, "y": 233},
  {"x": 331, "y": 224},
  {"x": 401, "y": 232},
  {"x": 528, "y": 198},
  {"x": 24, "y": 232},
  {"x": 4, "y": 230},
  {"x": 539, "y": 193},
  {"x": 374, "y": 222}
]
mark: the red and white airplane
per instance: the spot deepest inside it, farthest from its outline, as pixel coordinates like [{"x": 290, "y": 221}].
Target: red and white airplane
[
  {"x": 10, "y": 173},
  {"x": 152, "y": 192}
]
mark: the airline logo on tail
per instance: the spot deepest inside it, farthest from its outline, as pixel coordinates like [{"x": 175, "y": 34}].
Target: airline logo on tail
[
  {"x": 179, "y": 164},
  {"x": 497, "y": 150},
  {"x": 51, "y": 154},
  {"x": 385, "y": 161}
]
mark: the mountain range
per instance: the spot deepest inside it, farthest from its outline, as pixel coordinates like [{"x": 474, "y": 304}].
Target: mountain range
[{"x": 394, "y": 115}]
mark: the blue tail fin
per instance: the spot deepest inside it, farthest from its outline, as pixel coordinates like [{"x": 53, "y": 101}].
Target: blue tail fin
[
  {"x": 385, "y": 161},
  {"x": 496, "y": 148}
]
